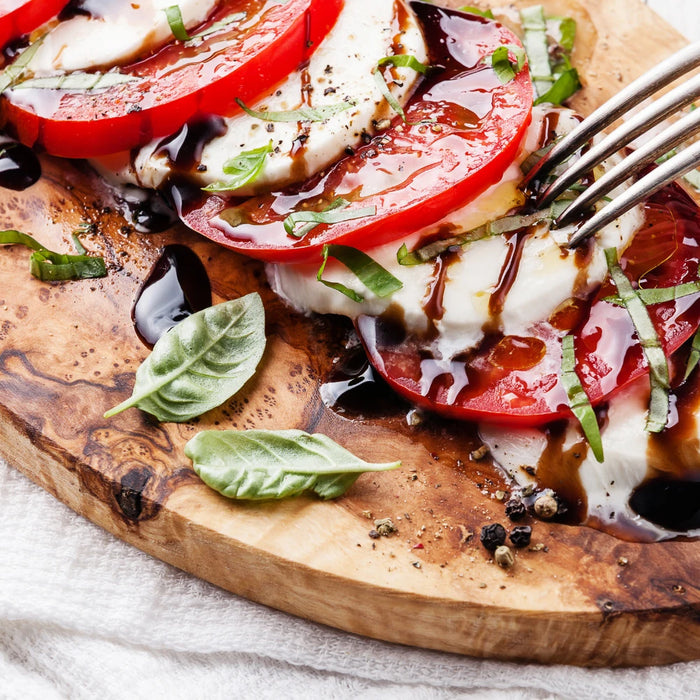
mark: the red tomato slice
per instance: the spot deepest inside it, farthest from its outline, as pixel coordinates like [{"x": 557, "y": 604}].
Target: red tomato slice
[
  {"x": 516, "y": 379},
  {"x": 175, "y": 84},
  {"x": 462, "y": 130},
  {"x": 19, "y": 17}
]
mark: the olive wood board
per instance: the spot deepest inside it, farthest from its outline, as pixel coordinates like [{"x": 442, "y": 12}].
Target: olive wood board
[{"x": 68, "y": 352}]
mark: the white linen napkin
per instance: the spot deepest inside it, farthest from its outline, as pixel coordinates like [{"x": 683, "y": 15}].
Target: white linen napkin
[{"x": 83, "y": 615}]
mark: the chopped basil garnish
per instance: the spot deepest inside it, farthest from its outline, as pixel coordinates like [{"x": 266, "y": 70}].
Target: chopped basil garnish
[
  {"x": 221, "y": 24},
  {"x": 267, "y": 464},
  {"x": 536, "y": 46},
  {"x": 566, "y": 84},
  {"x": 694, "y": 356},
  {"x": 303, "y": 114},
  {"x": 650, "y": 342},
  {"x": 338, "y": 211},
  {"x": 659, "y": 295},
  {"x": 579, "y": 402},
  {"x": 77, "y": 81},
  {"x": 177, "y": 25},
  {"x": 48, "y": 266},
  {"x": 500, "y": 61},
  {"x": 402, "y": 61},
  {"x": 375, "y": 277},
  {"x": 201, "y": 362},
  {"x": 12, "y": 74},
  {"x": 476, "y": 11},
  {"x": 243, "y": 168}
]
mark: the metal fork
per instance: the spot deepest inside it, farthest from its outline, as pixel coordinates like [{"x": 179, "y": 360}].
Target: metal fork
[{"x": 677, "y": 165}]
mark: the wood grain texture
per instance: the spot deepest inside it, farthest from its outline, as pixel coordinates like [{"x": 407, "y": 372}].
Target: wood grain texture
[{"x": 68, "y": 352}]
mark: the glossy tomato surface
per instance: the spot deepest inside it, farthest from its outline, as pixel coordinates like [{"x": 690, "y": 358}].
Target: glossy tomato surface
[
  {"x": 462, "y": 129},
  {"x": 19, "y": 17},
  {"x": 516, "y": 380},
  {"x": 177, "y": 83}
]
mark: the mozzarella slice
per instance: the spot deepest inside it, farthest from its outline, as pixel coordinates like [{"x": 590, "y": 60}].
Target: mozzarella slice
[
  {"x": 115, "y": 33},
  {"x": 338, "y": 73}
]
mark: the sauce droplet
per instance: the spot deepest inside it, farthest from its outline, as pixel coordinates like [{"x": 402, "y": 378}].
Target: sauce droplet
[
  {"x": 19, "y": 166},
  {"x": 176, "y": 287}
]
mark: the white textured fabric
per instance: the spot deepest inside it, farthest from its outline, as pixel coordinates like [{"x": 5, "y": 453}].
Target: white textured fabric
[{"x": 83, "y": 616}]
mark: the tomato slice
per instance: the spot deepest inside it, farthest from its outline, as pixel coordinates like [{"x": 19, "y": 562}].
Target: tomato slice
[
  {"x": 516, "y": 379},
  {"x": 177, "y": 83},
  {"x": 462, "y": 130},
  {"x": 19, "y": 17}
]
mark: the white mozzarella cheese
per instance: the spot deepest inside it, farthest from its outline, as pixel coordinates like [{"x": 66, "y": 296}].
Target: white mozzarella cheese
[
  {"x": 338, "y": 73},
  {"x": 114, "y": 33}
]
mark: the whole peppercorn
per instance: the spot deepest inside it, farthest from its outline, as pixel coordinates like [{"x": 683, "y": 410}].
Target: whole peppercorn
[
  {"x": 520, "y": 536},
  {"x": 493, "y": 536},
  {"x": 546, "y": 506},
  {"x": 503, "y": 556},
  {"x": 515, "y": 509}
]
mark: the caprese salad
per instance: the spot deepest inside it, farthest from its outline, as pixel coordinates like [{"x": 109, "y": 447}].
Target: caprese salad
[{"x": 371, "y": 152}]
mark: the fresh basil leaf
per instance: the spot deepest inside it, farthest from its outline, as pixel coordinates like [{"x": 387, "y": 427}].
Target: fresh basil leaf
[
  {"x": 177, "y": 25},
  {"x": 375, "y": 277},
  {"x": 693, "y": 179},
  {"x": 77, "y": 81},
  {"x": 476, "y": 11},
  {"x": 303, "y": 114},
  {"x": 244, "y": 168},
  {"x": 201, "y": 362},
  {"x": 536, "y": 47},
  {"x": 262, "y": 464},
  {"x": 400, "y": 60},
  {"x": 659, "y": 295},
  {"x": 48, "y": 266},
  {"x": 563, "y": 88},
  {"x": 650, "y": 342},
  {"x": 338, "y": 211},
  {"x": 504, "y": 68},
  {"x": 567, "y": 33},
  {"x": 694, "y": 356},
  {"x": 579, "y": 402},
  {"x": 221, "y": 24},
  {"x": 11, "y": 75}
]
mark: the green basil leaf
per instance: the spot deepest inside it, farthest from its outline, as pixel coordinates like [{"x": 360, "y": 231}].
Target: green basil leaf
[
  {"x": 304, "y": 114},
  {"x": 536, "y": 47},
  {"x": 12, "y": 74},
  {"x": 77, "y": 81},
  {"x": 48, "y": 266},
  {"x": 694, "y": 356},
  {"x": 221, "y": 24},
  {"x": 650, "y": 342},
  {"x": 177, "y": 25},
  {"x": 579, "y": 402},
  {"x": 262, "y": 464},
  {"x": 244, "y": 168},
  {"x": 500, "y": 61},
  {"x": 401, "y": 60},
  {"x": 693, "y": 179},
  {"x": 375, "y": 277},
  {"x": 201, "y": 362},
  {"x": 564, "y": 87},
  {"x": 659, "y": 295},
  {"x": 567, "y": 33},
  {"x": 335, "y": 213},
  {"x": 476, "y": 11}
]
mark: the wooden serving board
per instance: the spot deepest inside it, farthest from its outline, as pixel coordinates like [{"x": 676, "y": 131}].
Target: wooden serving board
[{"x": 68, "y": 352}]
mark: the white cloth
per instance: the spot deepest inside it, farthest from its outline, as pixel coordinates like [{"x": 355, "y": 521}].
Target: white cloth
[{"x": 83, "y": 616}]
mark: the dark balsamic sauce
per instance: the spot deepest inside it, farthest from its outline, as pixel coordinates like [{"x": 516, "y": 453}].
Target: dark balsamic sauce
[
  {"x": 669, "y": 503},
  {"x": 176, "y": 287},
  {"x": 19, "y": 166}
]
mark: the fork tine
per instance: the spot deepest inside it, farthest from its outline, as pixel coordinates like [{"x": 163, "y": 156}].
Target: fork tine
[
  {"x": 637, "y": 91},
  {"x": 651, "y": 151},
  {"x": 673, "y": 168},
  {"x": 641, "y": 122}
]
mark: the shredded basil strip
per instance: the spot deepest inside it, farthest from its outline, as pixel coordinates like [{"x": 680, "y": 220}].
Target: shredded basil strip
[
  {"x": 650, "y": 342},
  {"x": 77, "y": 81},
  {"x": 567, "y": 32},
  {"x": 564, "y": 87},
  {"x": 304, "y": 114},
  {"x": 659, "y": 295},
  {"x": 401, "y": 61},
  {"x": 338, "y": 211},
  {"x": 48, "y": 266},
  {"x": 375, "y": 277},
  {"x": 221, "y": 24},
  {"x": 578, "y": 399},
  {"x": 535, "y": 42},
  {"x": 500, "y": 61},
  {"x": 177, "y": 25},
  {"x": 476, "y": 11},
  {"x": 694, "y": 356},
  {"x": 244, "y": 168},
  {"x": 12, "y": 74}
]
